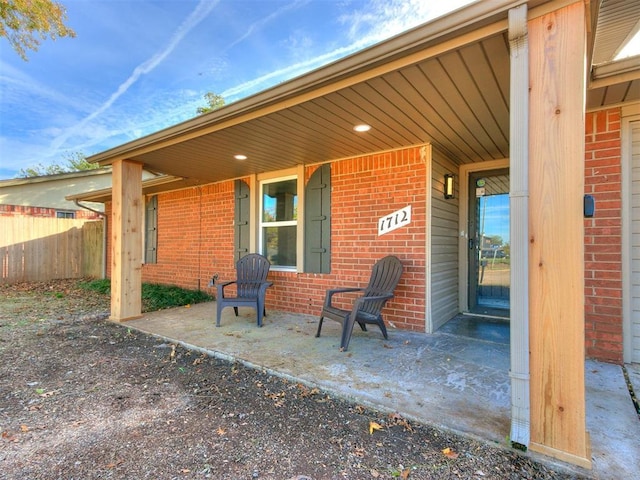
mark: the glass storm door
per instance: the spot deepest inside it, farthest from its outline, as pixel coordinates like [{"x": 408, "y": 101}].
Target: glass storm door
[{"x": 489, "y": 252}]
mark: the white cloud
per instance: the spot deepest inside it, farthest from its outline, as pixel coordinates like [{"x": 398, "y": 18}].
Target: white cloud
[
  {"x": 203, "y": 9},
  {"x": 78, "y": 122},
  {"x": 382, "y": 19},
  {"x": 21, "y": 89},
  {"x": 373, "y": 23}
]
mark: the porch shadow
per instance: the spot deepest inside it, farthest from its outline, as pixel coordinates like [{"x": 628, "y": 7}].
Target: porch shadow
[{"x": 448, "y": 381}]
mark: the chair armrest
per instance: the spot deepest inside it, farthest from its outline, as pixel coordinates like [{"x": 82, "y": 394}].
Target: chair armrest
[
  {"x": 360, "y": 302},
  {"x": 220, "y": 287},
  {"x": 363, "y": 300},
  {"x": 334, "y": 291}
]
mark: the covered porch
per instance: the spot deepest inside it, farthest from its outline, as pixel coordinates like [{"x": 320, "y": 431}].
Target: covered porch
[
  {"x": 448, "y": 379},
  {"x": 494, "y": 82}
]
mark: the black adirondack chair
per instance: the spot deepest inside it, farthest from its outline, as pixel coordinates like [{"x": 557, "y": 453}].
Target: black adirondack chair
[
  {"x": 251, "y": 287},
  {"x": 367, "y": 308}
]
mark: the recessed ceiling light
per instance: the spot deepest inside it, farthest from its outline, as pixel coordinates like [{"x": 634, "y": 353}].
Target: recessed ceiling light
[
  {"x": 240, "y": 157},
  {"x": 362, "y": 128}
]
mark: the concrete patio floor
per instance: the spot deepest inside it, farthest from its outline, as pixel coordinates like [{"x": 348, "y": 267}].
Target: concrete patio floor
[{"x": 446, "y": 380}]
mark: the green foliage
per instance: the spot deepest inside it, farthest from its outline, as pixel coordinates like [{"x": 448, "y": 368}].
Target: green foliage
[
  {"x": 214, "y": 102},
  {"x": 155, "y": 296},
  {"x": 102, "y": 286},
  {"x": 75, "y": 162},
  {"x": 25, "y": 23},
  {"x": 158, "y": 297}
]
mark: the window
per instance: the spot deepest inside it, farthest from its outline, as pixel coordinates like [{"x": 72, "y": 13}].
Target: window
[
  {"x": 279, "y": 221},
  {"x": 61, "y": 214}
]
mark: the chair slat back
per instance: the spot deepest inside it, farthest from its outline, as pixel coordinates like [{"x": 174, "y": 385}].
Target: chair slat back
[
  {"x": 251, "y": 271},
  {"x": 385, "y": 276}
]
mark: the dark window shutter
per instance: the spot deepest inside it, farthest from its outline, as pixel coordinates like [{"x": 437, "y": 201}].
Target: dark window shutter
[
  {"x": 317, "y": 224},
  {"x": 151, "y": 230},
  {"x": 241, "y": 219}
]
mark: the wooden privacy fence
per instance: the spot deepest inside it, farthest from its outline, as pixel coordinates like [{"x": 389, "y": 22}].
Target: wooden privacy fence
[{"x": 41, "y": 249}]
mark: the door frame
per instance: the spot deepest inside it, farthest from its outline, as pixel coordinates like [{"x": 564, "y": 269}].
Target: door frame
[{"x": 465, "y": 172}]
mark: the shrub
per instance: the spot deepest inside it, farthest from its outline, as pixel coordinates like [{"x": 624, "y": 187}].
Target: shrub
[{"x": 154, "y": 296}]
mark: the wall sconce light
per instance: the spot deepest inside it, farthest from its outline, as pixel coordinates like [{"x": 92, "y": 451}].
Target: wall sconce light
[{"x": 449, "y": 191}]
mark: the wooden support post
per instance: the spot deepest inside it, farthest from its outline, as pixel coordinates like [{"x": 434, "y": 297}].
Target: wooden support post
[
  {"x": 126, "y": 241},
  {"x": 556, "y": 257}
]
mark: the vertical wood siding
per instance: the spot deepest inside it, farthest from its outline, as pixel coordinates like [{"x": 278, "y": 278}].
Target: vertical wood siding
[{"x": 41, "y": 249}]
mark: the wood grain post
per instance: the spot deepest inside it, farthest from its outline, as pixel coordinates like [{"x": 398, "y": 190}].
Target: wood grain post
[
  {"x": 126, "y": 241},
  {"x": 556, "y": 256}
]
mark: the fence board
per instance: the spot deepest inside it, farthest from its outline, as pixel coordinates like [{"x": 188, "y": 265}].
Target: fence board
[
  {"x": 41, "y": 249},
  {"x": 92, "y": 249}
]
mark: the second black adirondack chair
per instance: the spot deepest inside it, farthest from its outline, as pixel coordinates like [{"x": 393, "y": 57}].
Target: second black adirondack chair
[
  {"x": 367, "y": 308},
  {"x": 251, "y": 287}
]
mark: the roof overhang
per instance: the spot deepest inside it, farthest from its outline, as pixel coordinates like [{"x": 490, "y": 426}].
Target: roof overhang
[
  {"x": 149, "y": 187},
  {"x": 445, "y": 83}
]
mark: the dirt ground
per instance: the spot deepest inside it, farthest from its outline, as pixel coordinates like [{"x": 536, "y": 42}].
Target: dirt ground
[{"x": 83, "y": 398}]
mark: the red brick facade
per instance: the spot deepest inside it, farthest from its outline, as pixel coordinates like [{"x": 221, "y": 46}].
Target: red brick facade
[
  {"x": 195, "y": 236},
  {"x": 20, "y": 210},
  {"x": 603, "y": 237}
]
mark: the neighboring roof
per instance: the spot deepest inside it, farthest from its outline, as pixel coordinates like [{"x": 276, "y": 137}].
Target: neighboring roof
[
  {"x": 56, "y": 177},
  {"x": 50, "y": 191},
  {"x": 149, "y": 187},
  {"x": 445, "y": 83}
]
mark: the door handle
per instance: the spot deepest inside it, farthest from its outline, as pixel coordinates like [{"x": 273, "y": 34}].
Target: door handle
[{"x": 472, "y": 243}]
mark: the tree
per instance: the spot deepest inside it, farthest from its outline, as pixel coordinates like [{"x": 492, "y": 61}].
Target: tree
[
  {"x": 75, "y": 162},
  {"x": 214, "y": 102},
  {"x": 25, "y": 23}
]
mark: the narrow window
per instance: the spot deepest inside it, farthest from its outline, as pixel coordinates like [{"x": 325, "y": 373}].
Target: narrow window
[
  {"x": 61, "y": 214},
  {"x": 279, "y": 221}
]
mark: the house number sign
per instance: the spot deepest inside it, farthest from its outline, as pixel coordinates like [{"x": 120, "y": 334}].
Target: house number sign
[{"x": 394, "y": 220}]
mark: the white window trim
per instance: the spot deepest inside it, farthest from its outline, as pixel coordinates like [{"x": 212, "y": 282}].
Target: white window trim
[{"x": 272, "y": 177}]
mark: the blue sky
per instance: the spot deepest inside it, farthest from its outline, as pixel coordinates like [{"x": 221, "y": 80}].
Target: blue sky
[{"x": 138, "y": 66}]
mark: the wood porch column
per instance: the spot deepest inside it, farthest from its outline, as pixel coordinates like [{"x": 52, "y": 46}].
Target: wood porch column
[
  {"x": 557, "y": 48},
  {"x": 126, "y": 241}
]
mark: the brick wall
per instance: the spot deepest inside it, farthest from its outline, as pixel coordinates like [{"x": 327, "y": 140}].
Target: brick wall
[
  {"x": 28, "y": 211},
  {"x": 603, "y": 237},
  {"x": 195, "y": 233},
  {"x": 195, "y": 236},
  {"x": 363, "y": 190}
]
